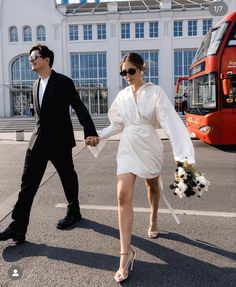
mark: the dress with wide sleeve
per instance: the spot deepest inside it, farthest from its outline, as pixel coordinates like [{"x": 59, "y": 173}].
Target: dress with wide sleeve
[
  {"x": 116, "y": 126},
  {"x": 140, "y": 148},
  {"x": 174, "y": 127}
]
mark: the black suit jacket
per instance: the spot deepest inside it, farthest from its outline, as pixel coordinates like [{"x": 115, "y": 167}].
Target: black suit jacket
[{"x": 53, "y": 122}]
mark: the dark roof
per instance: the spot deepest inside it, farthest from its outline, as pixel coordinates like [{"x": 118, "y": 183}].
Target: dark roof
[{"x": 134, "y": 6}]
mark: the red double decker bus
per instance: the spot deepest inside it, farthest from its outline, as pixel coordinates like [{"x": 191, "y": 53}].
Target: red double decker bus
[{"x": 211, "y": 116}]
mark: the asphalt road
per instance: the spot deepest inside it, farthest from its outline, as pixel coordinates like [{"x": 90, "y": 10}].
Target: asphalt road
[{"x": 198, "y": 252}]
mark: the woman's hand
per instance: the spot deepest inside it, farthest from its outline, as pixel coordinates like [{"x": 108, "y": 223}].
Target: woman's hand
[{"x": 179, "y": 163}]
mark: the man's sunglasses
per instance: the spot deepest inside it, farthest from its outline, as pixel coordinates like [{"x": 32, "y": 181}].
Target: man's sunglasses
[
  {"x": 130, "y": 71},
  {"x": 33, "y": 58}
]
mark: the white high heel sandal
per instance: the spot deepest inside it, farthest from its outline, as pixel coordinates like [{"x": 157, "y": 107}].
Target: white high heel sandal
[
  {"x": 152, "y": 234},
  {"x": 119, "y": 277}
]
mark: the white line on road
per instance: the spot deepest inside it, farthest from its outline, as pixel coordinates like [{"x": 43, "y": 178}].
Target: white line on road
[{"x": 160, "y": 210}]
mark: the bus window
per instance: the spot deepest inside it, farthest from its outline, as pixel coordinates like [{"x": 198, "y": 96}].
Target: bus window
[
  {"x": 232, "y": 37},
  {"x": 203, "y": 93},
  {"x": 202, "y": 51},
  {"x": 211, "y": 42},
  {"x": 217, "y": 36}
]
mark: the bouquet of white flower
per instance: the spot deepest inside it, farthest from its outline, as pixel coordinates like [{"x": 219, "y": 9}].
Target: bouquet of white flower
[{"x": 188, "y": 181}]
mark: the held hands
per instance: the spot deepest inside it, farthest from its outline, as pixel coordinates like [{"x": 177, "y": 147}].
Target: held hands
[
  {"x": 92, "y": 140},
  {"x": 95, "y": 144}
]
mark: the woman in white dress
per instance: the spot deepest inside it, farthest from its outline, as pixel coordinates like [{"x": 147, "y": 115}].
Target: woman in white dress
[{"x": 136, "y": 112}]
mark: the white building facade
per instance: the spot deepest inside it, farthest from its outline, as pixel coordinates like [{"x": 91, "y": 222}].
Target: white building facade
[{"x": 89, "y": 39}]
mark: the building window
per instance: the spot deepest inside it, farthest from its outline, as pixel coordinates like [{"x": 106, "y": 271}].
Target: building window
[
  {"x": 192, "y": 28},
  {"x": 101, "y": 31},
  {"x": 206, "y": 25},
  {"x": 88, "y": 32},
  {"x": 73, "y": 32},
  {"x": 41, "y": 33},
  {"x": 151, "y": 61},
  {"x": 178, "y": 28},
  {"x": 13, "y": 34},
  {"x": 125, "y": 31},
  {"x": 139, "y": 30},
  {"x": 27, "y": 34},
  {"x": 153, "y": 29},
  {"x": 182, "y": 61},
  {"x": 89, "y": 73},
  {"x": 22, "y": 78}
]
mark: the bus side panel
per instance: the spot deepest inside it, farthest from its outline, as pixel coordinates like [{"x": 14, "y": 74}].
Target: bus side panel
[{"x": 229, "y": 127}]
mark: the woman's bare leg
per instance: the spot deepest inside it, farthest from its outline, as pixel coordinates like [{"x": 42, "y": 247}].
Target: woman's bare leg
[
  {"x": 125, "y": 188},
  {"x": 153, "y": 194}
]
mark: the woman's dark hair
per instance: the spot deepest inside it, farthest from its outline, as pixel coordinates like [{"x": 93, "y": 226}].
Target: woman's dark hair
[
  {"x": 44, "y": 52},
  {"x": 135, "y": 59}
]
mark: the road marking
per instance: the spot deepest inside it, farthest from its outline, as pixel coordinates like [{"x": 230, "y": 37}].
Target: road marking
[
  {"x": 7, "y": 206},
  {"x": 160, "y": 210},
  {"x": 13, "y": 142}
]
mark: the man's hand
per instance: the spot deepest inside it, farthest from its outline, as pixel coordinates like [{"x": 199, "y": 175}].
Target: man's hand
[{"x": 92, "y": 140}]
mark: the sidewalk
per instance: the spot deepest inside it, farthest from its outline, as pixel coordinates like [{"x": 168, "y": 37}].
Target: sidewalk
[{"x": 79, "y": 136}]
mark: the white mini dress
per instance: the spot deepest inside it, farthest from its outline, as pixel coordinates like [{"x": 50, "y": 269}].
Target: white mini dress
[{"x": 140, "y": 148}]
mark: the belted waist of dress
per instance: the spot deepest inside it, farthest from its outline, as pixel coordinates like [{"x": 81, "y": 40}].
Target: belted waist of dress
[
  {"x": 139, "y": 125},
  {"x": 143, "y": 129}
]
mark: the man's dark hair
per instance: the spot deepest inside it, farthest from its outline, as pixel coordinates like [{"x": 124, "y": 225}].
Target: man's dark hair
[{"x": 44, "y": 52}]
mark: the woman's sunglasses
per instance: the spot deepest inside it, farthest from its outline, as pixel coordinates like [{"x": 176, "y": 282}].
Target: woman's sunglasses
[{"x": 130, "y": 71}]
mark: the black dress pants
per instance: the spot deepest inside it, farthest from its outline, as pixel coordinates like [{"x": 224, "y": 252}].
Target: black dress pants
[
  {"x": 35, "y": 165},
  {"x": 184, "y": 107}
]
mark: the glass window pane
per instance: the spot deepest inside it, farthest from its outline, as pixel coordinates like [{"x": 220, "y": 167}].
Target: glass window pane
[
  {"x": 139, "y": 30},
  {"x": 27, "y": 34},
  {"x": 101, "y": 31},
  {"x": 13, "y": 34},
  {"x": 41, "y": 33},
  {"x": 182, "y": 60},
  {"x": 178, "y": 28},
  {"x": 153, "y": 29},
  {"x": 87, "y": 32},
  {"x": 125, "y": 31},
  {"x": 192, "y": 28},
  {"x": 89, "y": 73},
  {"x": 206, "y": 25},
  {"x": 73, "y": 32}
]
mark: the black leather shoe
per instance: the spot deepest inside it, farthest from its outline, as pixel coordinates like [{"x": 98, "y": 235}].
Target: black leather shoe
[
  {"x": 9, "y": 233},
  {"x": 68, "y": 220}
]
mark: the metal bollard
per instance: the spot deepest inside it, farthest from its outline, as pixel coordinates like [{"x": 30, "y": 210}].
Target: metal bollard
[{"x": 20, "y": 135}]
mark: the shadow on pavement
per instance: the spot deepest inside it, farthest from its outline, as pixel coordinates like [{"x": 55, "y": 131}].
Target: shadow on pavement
[
  {"x": 175, "y": 269},
  {"x": 199, "y": 244},
  {"x": 226, "y": 148}
]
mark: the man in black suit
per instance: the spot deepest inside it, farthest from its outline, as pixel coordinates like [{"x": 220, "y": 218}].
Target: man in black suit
[{"x": 52, "y": 140}]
